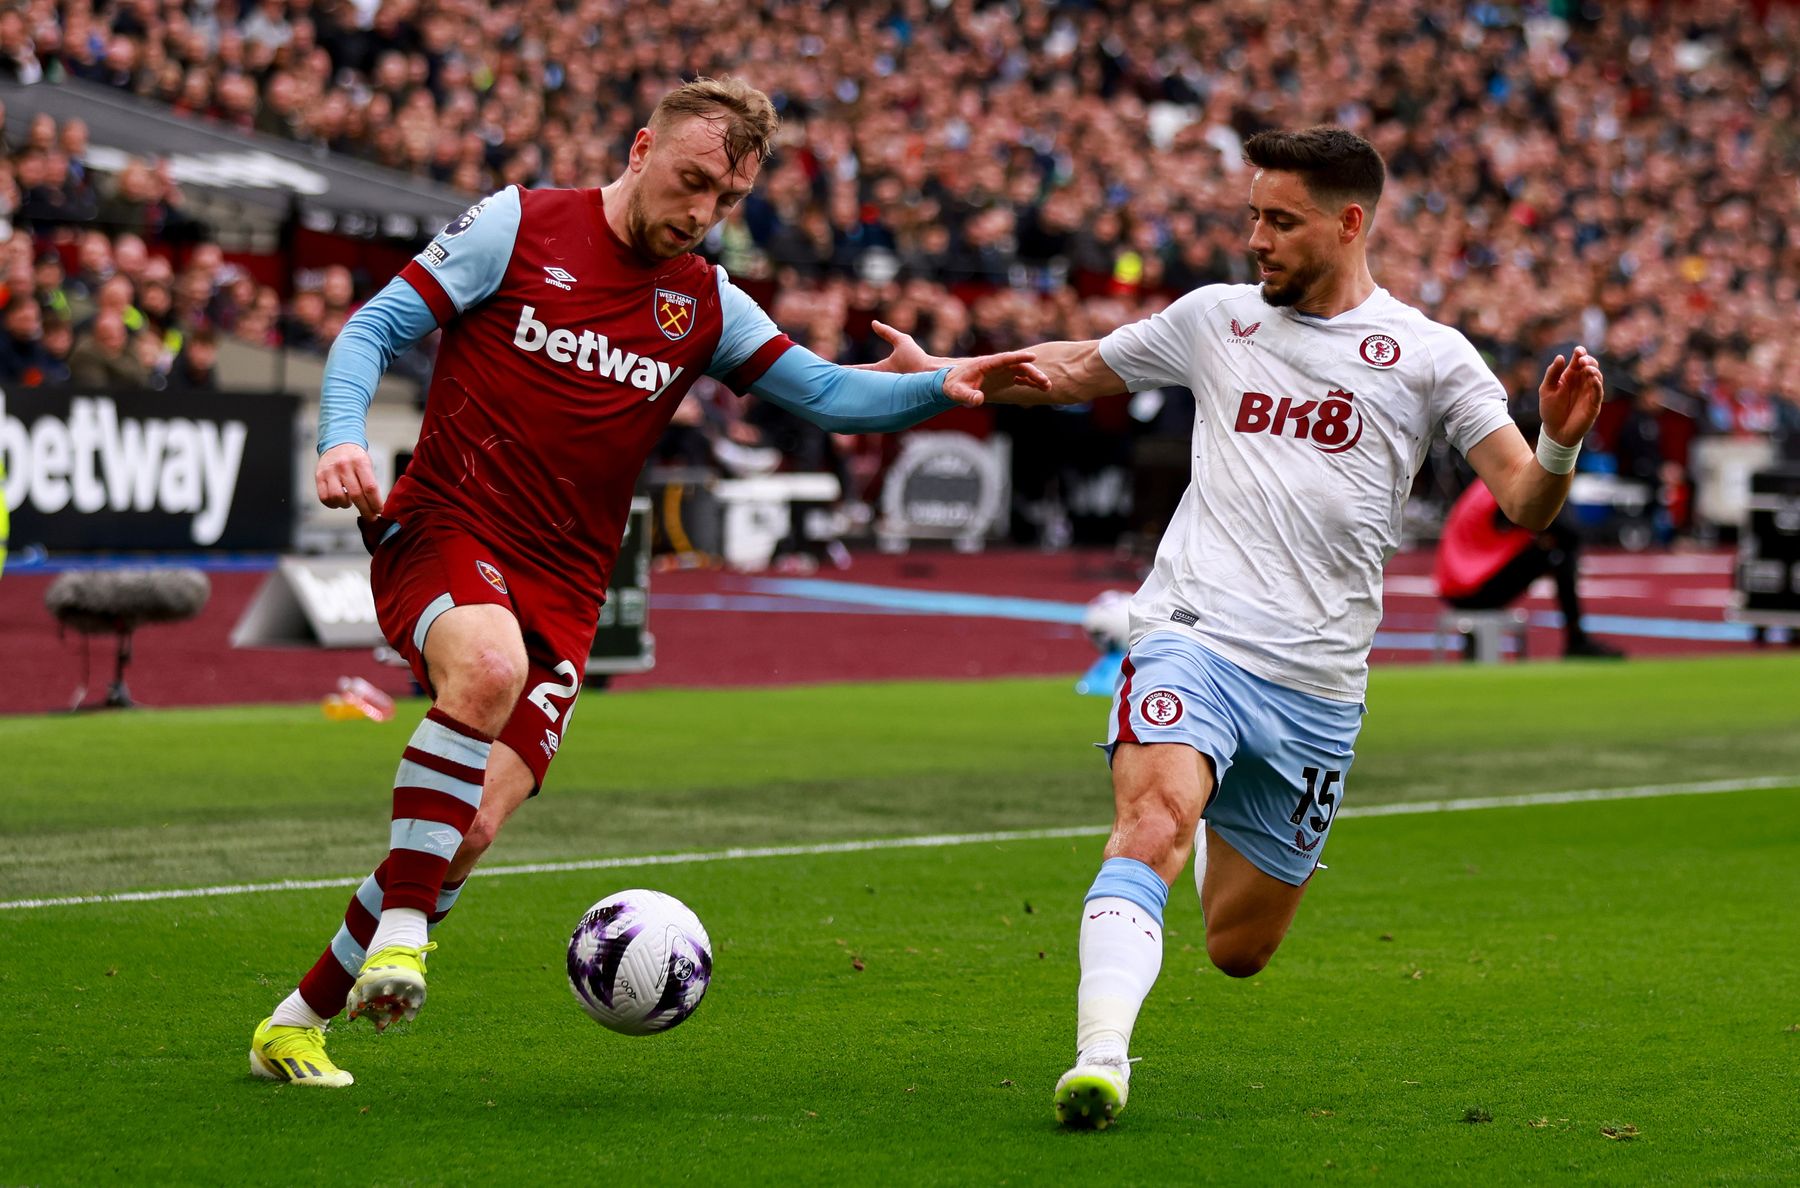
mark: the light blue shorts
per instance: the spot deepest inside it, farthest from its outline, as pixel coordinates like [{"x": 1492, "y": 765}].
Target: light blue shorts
[{"x": 1280, "y": 756}]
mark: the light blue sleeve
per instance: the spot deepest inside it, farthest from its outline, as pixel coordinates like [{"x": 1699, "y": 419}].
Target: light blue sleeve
[
  {"x": 393, "y": 320},
  {"x": 469, "y": 257},
  {"x": 846, "y": 400},
  {"x": 747, "y": 328}
]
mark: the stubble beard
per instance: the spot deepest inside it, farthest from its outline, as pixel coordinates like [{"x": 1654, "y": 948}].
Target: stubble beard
[
  {"x": 1292, "y": 285},
  {"x": 637, "y": 224}
]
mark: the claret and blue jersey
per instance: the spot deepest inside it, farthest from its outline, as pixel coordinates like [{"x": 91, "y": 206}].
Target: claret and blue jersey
[{"x": 564, "y": 355}]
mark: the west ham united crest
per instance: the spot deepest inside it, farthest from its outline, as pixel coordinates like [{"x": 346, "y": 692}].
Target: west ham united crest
[
  {"x": 491, "y": 575},
  {"x": 674, "y": 314}
]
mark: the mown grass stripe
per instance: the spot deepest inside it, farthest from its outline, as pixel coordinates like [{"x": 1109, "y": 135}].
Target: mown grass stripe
[{"x": 929, "y": 841}]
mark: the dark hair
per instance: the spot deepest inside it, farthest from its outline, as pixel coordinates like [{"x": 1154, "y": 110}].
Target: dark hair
[{"x": 1337, "y": 165}]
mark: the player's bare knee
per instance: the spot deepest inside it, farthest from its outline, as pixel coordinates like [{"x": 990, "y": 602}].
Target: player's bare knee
[
  {"x": 486, "y": 682},
  {"x": 1238, "y": 955},
  {"x": 1157, "y": 831}
]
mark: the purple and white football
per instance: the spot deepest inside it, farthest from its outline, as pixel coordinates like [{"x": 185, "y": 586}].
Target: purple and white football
[{"x": 639, "y": 962}]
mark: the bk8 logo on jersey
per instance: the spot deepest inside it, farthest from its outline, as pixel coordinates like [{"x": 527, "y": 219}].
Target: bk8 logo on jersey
[{"x": 1332, "y": 425}]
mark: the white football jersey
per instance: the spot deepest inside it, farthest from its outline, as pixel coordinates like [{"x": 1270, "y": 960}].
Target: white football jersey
[{"x": 1307, "y": 434}]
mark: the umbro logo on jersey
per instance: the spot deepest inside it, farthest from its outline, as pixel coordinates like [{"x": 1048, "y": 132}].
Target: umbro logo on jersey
[
  {"x": 588, "y": 351},
  {"x": 559, "y": 278},
  {"x": 1242, "y": 333},
  {"x": 1333, "y": 424}
]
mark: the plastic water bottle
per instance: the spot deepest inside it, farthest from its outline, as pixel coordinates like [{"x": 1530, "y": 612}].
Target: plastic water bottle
[{"x": 356, "y": 698}]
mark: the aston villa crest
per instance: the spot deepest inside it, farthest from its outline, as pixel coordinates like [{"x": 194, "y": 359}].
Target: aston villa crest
[{"x": 674, "y": 313}]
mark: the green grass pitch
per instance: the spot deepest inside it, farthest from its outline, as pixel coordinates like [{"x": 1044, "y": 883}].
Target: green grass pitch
[{"x": 1593, "y": 992}]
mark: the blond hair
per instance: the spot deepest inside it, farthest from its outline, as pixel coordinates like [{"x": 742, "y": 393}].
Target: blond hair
[{"x": 744, "y": 113}]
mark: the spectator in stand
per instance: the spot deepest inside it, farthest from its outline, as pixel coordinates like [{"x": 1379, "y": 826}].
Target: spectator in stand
[
  {"x": 130, "y": 257},
  {"x": 59, "y": 344},
  {"x": 127, "y": 206},
  {"x": 144, "y": 200},
  {"x": 338, "y": 290},
  {"x": 18, "y": 56},
  {"x": 23, "y": 359},
  {"x": 42, "y": 203},
  {"x": 17, "y": 274},
  {"x": 196, "y": 368},
  {"x": 255, "y": 327},
  {"x": 40, "y": 134},
  {"x": 80, "y": 201},
  {"x": 73, "y": 139},
  {"x": 115, "y": 297},
  {"x": 49, "y": 285},
  {"x": 156, "y": 306},
  {"x": 147, "y": 348},
  {"x": 303, "y": 326},
  {"x": 104, "y": 357},
  {"x": 9, "y": 197},
  {"x": 267, "y": 25},
  {"x": 93, "y": 264},
  {"x": 193, "y": 299}
]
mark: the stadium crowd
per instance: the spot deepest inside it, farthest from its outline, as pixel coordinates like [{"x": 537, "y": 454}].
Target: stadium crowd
[
  {"x": 987, "y": 174},
  {"x": 90, "y": 286}
]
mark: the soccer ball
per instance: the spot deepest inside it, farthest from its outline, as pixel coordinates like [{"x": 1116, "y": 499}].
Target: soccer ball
[
  {"x": 1107, "y": 621},
  {"x": 639, "y": 962}
]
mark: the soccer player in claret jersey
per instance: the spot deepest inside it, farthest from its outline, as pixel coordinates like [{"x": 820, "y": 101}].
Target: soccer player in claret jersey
[
  {"x": 573, "y": 321},
  {"x": 1318, "y": 394}
]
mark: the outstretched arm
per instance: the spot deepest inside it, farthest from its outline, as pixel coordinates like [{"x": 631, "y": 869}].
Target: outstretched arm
[
  {"x": 1531, "y": 488},
  {"x": 755, "y": 356},
  {"x": 1071, "y": 372},
  {"x": 867, "y": 400}
]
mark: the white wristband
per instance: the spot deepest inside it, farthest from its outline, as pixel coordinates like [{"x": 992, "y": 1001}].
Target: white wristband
[{"x": 1555, "y": 457}]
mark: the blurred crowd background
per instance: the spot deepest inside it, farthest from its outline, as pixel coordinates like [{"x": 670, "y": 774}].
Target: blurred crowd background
[{"x": 983, "y": 175}]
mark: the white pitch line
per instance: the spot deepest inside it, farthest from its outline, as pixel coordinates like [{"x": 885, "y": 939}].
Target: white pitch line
[
  {"x": 1528, "y": 799},
  {"x": 931, "y": 841}
]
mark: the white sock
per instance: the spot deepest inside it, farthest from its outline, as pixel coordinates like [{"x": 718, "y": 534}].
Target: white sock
[
  {"x": 293, "y": 1012},
  {"x": 1121, "y": 954},
  {"x": 399, "y": 926}
]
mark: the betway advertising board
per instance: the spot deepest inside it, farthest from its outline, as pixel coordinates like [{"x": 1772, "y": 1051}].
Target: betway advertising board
[{"x": 179, "y": 471}]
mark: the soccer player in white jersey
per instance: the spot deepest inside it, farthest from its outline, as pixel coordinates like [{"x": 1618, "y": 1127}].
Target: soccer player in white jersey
[{"x": 1317, "y": 394}]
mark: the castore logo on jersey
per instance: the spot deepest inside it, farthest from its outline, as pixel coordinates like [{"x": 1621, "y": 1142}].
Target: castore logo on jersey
[{"x": 1241, "y": 333}]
